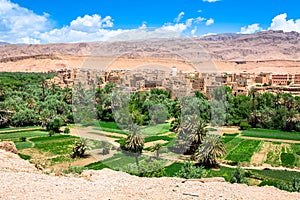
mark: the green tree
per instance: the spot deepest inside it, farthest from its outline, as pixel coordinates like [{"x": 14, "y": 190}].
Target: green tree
[
  {"x": 210, "y": 149},
  {"x": 156, "y": 149},
  {"x": 189, "y": 170},
  {"x": 134, "y": 142}
]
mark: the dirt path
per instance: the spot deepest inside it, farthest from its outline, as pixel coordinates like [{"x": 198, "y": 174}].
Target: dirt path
[
  {"x": 85, "y": 133},
  {"x": 230, "y": 130},
  {"x": 259, "y": 158},
  {"x": 151, "y": 144},
  {"x": 270, "y": 140}
]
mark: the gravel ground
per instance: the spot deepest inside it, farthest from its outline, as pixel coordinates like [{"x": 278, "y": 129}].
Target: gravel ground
[{"x": 20, "y": 180}]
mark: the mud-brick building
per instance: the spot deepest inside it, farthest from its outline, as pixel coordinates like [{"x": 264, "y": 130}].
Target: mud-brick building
[{"x": 281, "y": 79}]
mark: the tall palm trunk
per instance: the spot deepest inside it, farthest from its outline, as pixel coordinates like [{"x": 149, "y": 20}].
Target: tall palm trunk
[{"x": 136, "y": 155}]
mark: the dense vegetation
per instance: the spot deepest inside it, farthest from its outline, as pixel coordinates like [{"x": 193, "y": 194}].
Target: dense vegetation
[{"x": 26, "y": 99}]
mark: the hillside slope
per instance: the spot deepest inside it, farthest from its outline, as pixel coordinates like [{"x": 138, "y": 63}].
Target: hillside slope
[
  {"x": 263, "y": 51},
  {"x": 19, "y": 180}
]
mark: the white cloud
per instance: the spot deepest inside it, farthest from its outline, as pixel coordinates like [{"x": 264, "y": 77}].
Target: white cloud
[
  {"x": 199, "y": 19},
  {"x": 250, "y": 29},
  {"x": 17, "y": 23},
  {"x": 280, "y": 22},
  {"x": 208, "y": 34},
  {"x": 189, "y": 22},
  {"x": 193, "y": 32},
  {"x": 143, "y": 26},
  {"x": 174, "y": 27},
  {"x": 91, "y": 23},
  {"x": 209, "y": 22},
  {"x": 21, "y": 25},
  {"x": 179, "y": 17},
  {"x": 210, "y": 1}
]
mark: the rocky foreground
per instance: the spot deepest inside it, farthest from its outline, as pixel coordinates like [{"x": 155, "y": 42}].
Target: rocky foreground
[{"x": 21, "y": 180}]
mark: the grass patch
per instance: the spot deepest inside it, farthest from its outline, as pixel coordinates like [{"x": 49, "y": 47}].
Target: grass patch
[
  {"x": 60, "y": 159},
  {"x": 244, "y": 151},
  {"x": 157, "y": 129},
  {"x": 171, "y": 170},
  {"x": 23, "y": 145},
  {"x": 109, "y": 125},
  {"x": 117, "y": 162},
  {"x": 275, "y": 175},
  {"x": 24, "y": 157},
  {"x": 296, "y": 148},
  {"x": 222, "y": 172},
  {"x": 232, "y": 144},
  {"x": 124, "y": 132},
  {"x": 155, "y": 138},
  {"x": 273, "y": 134},
  {"x": 27, "y": 134},
  {"x": 228, "y": 137},
  {"x": 20, "y": 128},
  {"x": 57, "y": 145}
]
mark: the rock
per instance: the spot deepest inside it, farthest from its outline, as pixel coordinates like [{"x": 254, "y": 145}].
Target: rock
[{"x": 9, "y": 147}]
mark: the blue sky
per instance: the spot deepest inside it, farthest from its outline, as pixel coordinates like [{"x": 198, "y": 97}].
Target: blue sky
[{"x": 36, "y": 21}]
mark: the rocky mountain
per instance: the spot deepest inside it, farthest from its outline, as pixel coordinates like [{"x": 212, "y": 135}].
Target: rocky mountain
[
  {"x": 3, "y": 43},
  {"x": 226, "y": 51}
]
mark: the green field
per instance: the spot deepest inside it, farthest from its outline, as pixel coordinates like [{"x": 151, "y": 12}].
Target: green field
[
  {"x": 172, "y": 169},
  {"x": 228, "y": 137},
  {"x": 232, "y": 144},
  {"x": 273, "y": 134},
  {"x": 27, "y": 134},
  {"x": 156, "y": 129},
  {"x": 276, "y": 175},
  {"x": 109, "y": 127},
  {"x": 118, "y": 161},
  {"x": 244, "y": 151},
  {"x": 57, "y": 145},
  {"x": 16, "y": 129}
]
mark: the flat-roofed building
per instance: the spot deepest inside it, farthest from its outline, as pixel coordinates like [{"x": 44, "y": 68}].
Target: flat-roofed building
[{"x": 281, "y": 79}]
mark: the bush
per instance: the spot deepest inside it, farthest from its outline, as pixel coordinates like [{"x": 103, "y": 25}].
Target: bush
[
  {"x": 146, "y": 168},
  {"x": 105, "y": 151},
  {"x": 79, "y": 149},
  {"x": 75, "y": 170},
  {"x": 238, "y": 176},
  {"x": 67, "y": 130},
  {"x": 294, "y": 186},
  {"x": 54, "y": 124},
  {"x": 189, "y": 170},
  {"x": 23, "y": 139},
  {"x": 244, "y": 126},
  {"x": 287, "y": 159}
]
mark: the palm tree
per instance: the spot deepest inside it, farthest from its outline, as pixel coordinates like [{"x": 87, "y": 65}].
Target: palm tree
[
  {"x": 156, "y": 149},
  {"x": 210, "y": 149},
  {"x": 201, "y": 132},
  {"x": 135, "y": 142}
]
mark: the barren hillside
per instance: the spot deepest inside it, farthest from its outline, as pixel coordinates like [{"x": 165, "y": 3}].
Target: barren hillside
[
  {"x": 265, "y": 51},
  {"x": 20, "y": 180}
]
